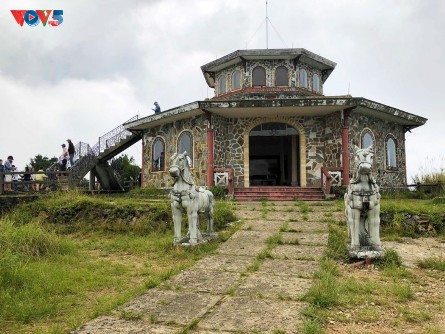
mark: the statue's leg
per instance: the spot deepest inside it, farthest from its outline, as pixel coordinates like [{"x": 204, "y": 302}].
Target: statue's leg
[
  {"x": 374, "y": 226},
  {"x": 210, "y": 216},
  {"x": 354, "y": 223},
  {"x": 192, "y": 214},
  {"x": 177, "y": 217}
]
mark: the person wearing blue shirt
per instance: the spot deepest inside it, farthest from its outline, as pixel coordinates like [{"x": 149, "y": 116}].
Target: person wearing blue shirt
[{"x": 157, "y": 108}]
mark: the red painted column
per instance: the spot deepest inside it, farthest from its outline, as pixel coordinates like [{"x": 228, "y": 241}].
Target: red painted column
[
  {"x": 345, "y": 153},
  {"x": 210, "y": 144},
  {"x": 404, "y": 154}
]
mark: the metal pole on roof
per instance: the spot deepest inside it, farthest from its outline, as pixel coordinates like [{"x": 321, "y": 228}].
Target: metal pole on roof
[{"x": 267, "y": 29}]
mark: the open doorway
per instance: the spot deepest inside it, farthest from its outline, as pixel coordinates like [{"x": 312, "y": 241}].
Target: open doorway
[{"x": 273, "y": 155}]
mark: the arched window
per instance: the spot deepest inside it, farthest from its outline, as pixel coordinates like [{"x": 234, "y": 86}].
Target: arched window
[
  {"x": 259, "y": 76},
  {"x": 367, "y": 139},
  {"x": 158, "y": 155},
  {"x": 222, "y": 84},
  {"x": 303, "y": 78},
  {"x": 185, "y": 144},
  {"x": 281, "y": 76},
  {"x": 236, "y": 80},
  {"x": 316, "y": 83},
  {"x": 391, "y": 158}
]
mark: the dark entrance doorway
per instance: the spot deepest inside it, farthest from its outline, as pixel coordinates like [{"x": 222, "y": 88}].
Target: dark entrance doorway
[{"x": 273, "y": 155}]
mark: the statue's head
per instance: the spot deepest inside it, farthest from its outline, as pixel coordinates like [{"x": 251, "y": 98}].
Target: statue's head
[
  {"x": 178, "y": 164},
  {"x": 364, "y": 159}
]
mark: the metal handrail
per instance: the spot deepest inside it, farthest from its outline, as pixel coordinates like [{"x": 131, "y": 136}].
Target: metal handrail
[
  {"x": 86, "y": 156},
  {"x": 52, "y": 180}
]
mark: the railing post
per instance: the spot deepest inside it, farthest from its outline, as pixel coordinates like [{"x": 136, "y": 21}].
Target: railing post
[
  {"x": 231, "y": 182},
  {"x": 70, "y": 180}
]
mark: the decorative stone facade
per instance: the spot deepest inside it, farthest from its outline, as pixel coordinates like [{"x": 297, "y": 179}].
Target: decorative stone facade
[
  {"x": 294, "y": 88},
  {"x": 323, "y": 124},
  {"x": 322, "y": 148},
  {"x": 386, "y": 177},
  {"x": 270, "y": 67},
  {"x": 170, "y": 133}
]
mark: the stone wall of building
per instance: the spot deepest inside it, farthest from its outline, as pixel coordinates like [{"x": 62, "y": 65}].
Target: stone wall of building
[
  {"x": 169, "y": 134},
  {"x": 380, "y": 130},
  {"x": 323, "y": 147},
  {"x": 229, "y": 145},
  {"x": 333, "y": 140},
  {"x": 270, "y": 66},
  {"x": 322, "y": 134}
]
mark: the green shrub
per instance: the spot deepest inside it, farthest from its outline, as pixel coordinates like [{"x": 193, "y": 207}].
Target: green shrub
[
  {"x": 337, "y": 243},
  {"x": 439, "y": 200},
  {"x": 338, "y": 191},
  {"x": 325, "y": 292},
  {"x": 391, "y": 259},
  {"x": 223, "y": 215},
  {"x": 219, "y": 192},
  {"x": 433, "y": 263},
  {"x": 311, "y": 326},
  {"x": 31, "y": 240},
  {"x": 148, "y": 193}
]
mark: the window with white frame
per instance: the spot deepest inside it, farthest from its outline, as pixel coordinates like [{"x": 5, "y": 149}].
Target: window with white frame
[
  {"x": 185, "y": 144},
  {"x": 303, "y": 78},
  {"x": 316, "y": 83},
  {"x": 222, "y": 84},
  {"x": 259, "y": 76},
  {"x": 281, "y": 76},
  {"x": 158, "y": 154},
  {"x": 236, "y": 80},
  {"x": 391, "y": 156},
  {"x": 367, "y": 139}
]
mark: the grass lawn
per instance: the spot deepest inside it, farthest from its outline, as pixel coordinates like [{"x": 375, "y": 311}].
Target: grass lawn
[{"x": 69, "y": 258}]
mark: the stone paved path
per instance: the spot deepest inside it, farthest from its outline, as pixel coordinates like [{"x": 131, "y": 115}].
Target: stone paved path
[{"x": 252, "y": 284}]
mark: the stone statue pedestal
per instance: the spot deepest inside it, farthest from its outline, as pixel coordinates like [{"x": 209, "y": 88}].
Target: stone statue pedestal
[
  {"x": 202, "y": 239},
  {"x": 366, "y": 251}
]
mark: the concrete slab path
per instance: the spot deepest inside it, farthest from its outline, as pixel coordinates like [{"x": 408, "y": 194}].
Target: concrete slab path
[{"x": 254, "y": 282}]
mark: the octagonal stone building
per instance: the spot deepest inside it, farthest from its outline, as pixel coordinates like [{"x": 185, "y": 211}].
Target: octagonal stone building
[{"x": 269, "y": 125}]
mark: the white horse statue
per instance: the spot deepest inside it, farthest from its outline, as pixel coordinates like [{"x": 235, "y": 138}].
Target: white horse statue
[
  {"x": 362, "y": 203},
  {"x": 185, "y": 197}
]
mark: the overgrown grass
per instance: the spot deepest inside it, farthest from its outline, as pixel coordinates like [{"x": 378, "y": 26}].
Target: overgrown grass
[
  {"x": 433, "y": 263},
  {"x": 334, "y": 289},
  {"x": 70, "y": 257}
]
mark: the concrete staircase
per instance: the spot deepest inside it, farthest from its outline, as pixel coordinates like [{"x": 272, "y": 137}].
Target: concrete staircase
[
  {"x": 96, "y": 158},
  {"x": 278, "y": 194}
]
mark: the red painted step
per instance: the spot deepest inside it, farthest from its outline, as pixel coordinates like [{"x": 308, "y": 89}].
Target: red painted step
[{"x": 278, "y": 194}]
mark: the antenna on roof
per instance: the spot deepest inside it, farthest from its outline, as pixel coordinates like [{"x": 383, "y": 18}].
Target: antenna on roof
[
  {"x": 267, "y": 28},
  {"x": 267, "y": 21}
]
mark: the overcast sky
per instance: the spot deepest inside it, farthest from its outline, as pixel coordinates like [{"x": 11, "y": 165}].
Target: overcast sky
[{"x": 110, "y": 60}]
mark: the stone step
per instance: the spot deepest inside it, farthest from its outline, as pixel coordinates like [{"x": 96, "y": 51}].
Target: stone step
[{"x": 278, "y": 194}]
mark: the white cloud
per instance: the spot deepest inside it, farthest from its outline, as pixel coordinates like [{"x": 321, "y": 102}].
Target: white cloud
[
  {"x": 110, "y": 60},
  {"x": 42, "y": 117}
]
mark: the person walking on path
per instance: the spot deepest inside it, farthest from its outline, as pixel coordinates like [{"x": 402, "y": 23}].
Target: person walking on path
[
  {"x": 63, "y": 159},
  {"x": 15, "y": 179},
  {"x": 26, "y": 178},
  {"x": 8, "y": 177},
  {"x": 71, "y": 152},
  {"x": 157, "y": 108},
  {"x": 40, "y": 177}
]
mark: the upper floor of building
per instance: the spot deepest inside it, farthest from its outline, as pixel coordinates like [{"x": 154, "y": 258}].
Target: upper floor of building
[{"x": 268, "y": 74}]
